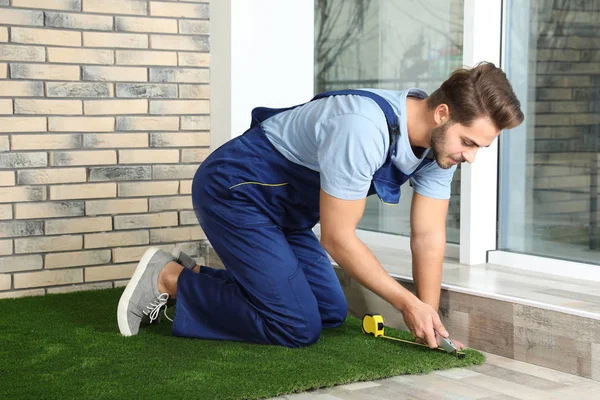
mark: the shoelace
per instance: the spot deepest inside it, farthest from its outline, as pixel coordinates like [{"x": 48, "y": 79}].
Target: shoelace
[{"x": 155, "y": 305}]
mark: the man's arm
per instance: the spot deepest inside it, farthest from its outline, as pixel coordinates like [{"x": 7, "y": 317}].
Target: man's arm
[
  {"x": 428, "y": 243},
  {"x": 339, "y": 219}
]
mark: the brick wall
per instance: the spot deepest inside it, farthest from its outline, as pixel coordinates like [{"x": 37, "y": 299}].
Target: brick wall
[{"x": 104, "y": 118}]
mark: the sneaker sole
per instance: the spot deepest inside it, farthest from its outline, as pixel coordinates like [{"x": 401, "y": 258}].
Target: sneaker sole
[{"x": 126, "y": 296}]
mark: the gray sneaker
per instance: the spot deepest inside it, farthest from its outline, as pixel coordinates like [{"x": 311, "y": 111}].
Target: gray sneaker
[
  {"x": 184, "y": 260},
  {"x": 141, "y": 297}
]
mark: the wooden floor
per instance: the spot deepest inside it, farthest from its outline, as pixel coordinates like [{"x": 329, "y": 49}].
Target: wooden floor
[{"x": 498, "y": 379}]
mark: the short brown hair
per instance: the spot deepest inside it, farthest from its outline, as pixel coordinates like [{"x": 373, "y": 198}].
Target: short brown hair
[{"x": 482, "y": 91}]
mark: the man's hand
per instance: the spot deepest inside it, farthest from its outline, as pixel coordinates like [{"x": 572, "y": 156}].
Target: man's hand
[{"x": 423, "y": 321}]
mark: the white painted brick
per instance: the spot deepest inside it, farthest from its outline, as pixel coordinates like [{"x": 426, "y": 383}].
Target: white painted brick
[
  {"x": 38, "y": 106},
  {"x": 151, "y": 156},
  {"x": 115, "y": 140},
  {"x": 145, "y": 221},
  {"x": 45, "y": 142},
  {"x": 109, "y": 272},
  {"x": 179, "y": 139},
  {"x": 119, "y": 173},
  {"x": 187, "y": 59},
  {"x": 20, "y": 263},
  {"x": 7, "y": 178},
  {"x": 153, "y": 123},
  {"x": 3, "y": 34},
  {"x": 51, "y": 175},
  {"x": 3, "y": 71},
  {"x": 21, "y": 89},
  {"x": 178, "y": 42},
  {"x": 81, "y": 90},
  {"x": 22, "y": 124},
  {"x": 5, "y": 211},
  {"x": 22, "y": 193},
  {"x": 48, "y": 278},
  {"x": 78, "y": 21},
  {"x": 115, "y": 239},
  {"x": 78, "y": 225},
  {"x": 146, "y": 57},
  {"x": 121, "y": 206},
  {"x": 4, "y": 144},
  {"x": 179, "y": 107},
  {"x": 48, "y": 244},
  {"x": 21, "y": 228},
  {"x": 49, "y": 210},
  {"x": 188, "y": 218},
  {"x": 171, "y": 203},
  {"x": 88, "y": 158},
  {"x": 9, "y": 52},
  {"x": 19, "y": 293},
  {"x": 6, "y": 106},
  {"x": 182, "y": 75},
  {"x": 83, "y": 191},
  {"x": 116, "y": 40},
  {"x": 53, "y": 37},
  {"x": 45, "y": 71},
  {"x": 185, "y": 187},
  {"x": 4, "y": 284},
  {"x": 174, "y": 171},
  {"x": 115, "y": 107},
  {"x": 144, "y": 90},
  {"x": 150, "y": 25},
  {"x": 78, "y": 288},
  {"x": 21, "y": 17},
  {"x": 77, "y": 259},
  {"x": 176, "y": 234},
  {"x": 193, "y": 122},
  {"x": 80, "y": 56},
  {"x": 194, "y": 155},
  {"x": 181, "y": 10},
  {"x": 194, "y": 27},
  {"x": 81, "y": 124},
  {"x": 137, "y": 7},
  {"x": 139, "y": 189},
  {"x": 23, "y": 160},
  {"x": 67, "y": 5},
  {"x": 115, "y": 74},
  {"x": 6, "y": 247}
]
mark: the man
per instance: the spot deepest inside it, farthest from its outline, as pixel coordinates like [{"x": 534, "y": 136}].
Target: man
[{"x": 258, "y": 196}]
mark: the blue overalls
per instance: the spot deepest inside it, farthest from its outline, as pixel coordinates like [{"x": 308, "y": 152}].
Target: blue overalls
[{"x": 258, "y": 209}]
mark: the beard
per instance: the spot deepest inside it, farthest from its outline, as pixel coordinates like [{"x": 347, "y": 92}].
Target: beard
[{"x": 437, "y": 144}]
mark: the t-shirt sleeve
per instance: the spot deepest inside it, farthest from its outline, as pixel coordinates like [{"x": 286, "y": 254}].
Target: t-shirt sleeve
[
  {"x": 433, "y": 181},
  {"x": 350, "y": 149}
]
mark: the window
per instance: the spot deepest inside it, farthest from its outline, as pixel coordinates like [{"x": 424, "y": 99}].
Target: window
[
  {"x": 550, "y": 166},
  {"x": 391, "y": 44}
]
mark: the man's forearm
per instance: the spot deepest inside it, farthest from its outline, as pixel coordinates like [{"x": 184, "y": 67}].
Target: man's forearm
[
  {"x": 354, "y": 257},
  {"x": 428, "y": 257}
]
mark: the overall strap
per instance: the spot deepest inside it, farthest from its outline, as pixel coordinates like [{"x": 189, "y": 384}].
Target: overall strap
[{"x": 390, "y": 115}]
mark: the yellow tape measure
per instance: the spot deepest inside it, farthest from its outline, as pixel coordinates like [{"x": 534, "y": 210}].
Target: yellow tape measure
[{"x": 372, "y": 324}]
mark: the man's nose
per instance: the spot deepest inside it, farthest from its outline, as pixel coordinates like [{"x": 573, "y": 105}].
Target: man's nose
[{"x": 469, "y": 156}]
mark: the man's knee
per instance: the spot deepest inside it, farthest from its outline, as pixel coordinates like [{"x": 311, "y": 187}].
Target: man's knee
[
  {"x": 337, "y": 314},
  {"x": 305, "y": 331}
]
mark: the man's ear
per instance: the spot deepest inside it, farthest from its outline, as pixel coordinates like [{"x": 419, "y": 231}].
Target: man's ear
[{"x": 441, "y": 114}]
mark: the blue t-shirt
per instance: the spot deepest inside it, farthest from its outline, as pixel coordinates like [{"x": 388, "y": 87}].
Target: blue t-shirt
[{"x": 346, "y": 139}]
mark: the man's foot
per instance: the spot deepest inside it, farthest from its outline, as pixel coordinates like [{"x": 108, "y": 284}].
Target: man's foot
[
  {"x": 141, "y": 297},
  {"x": 186, "y": 261}
]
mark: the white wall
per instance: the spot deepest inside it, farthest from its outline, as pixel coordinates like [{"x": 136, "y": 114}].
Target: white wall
[{"x": 262, "y": 54}]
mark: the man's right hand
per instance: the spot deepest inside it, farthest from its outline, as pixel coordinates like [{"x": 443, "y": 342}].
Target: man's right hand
[{"x": 423, "y": 321}]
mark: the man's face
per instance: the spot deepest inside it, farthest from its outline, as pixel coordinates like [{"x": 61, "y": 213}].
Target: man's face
[{"x": 454, "y": 143}]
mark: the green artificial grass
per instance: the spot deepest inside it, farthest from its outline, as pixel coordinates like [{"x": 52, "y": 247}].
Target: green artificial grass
[{"x": 68, "y": 346}]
